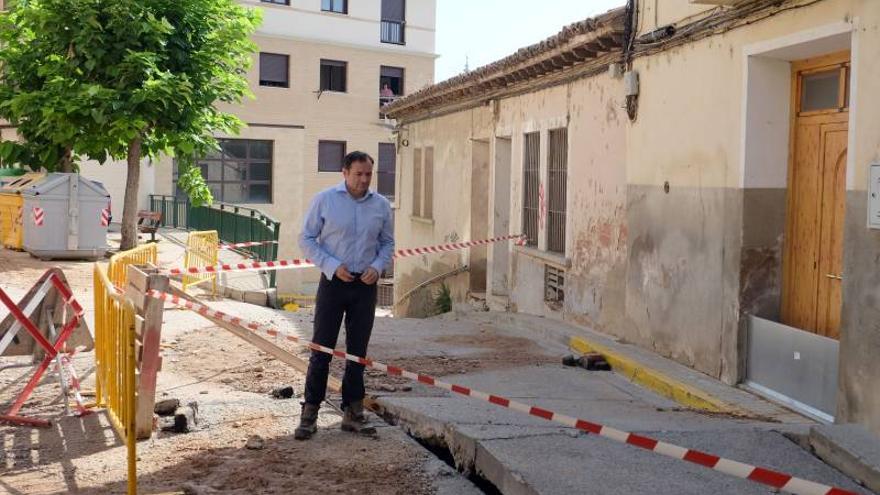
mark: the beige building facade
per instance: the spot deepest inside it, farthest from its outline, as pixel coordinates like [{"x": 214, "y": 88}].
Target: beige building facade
[
  {"x": 317, "y": 81},
  {"x": 704, "y": 193}
]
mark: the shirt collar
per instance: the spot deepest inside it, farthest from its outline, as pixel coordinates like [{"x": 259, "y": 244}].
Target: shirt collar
[{"x": 341, "y": 188}]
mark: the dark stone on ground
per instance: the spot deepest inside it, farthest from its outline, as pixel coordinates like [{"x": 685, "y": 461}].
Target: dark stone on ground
[
  {"x": 166, "y": 407},
  {"x": 285, "y": 392}
]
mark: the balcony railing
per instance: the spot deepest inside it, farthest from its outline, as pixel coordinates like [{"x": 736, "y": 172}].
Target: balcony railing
[
  {"x": 385, "y": 100},
  {"x": 392, "y": 32}
]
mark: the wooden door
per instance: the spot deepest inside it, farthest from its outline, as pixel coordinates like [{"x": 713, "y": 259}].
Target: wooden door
[{"x": 813, "y": 262}]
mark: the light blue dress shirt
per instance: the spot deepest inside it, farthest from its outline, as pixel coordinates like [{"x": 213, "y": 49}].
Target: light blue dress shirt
[{"x": 339, "y": 229}]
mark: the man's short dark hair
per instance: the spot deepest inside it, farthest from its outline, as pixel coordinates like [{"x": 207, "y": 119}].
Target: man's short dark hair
[{"x": 355, "y": 156}]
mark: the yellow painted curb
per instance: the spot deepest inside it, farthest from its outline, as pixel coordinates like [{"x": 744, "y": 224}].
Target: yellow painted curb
[{"x": 682, "y": 393}]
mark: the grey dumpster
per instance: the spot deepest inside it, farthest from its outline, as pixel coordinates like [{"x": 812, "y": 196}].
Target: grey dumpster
[{"x": 65, "y": 217}]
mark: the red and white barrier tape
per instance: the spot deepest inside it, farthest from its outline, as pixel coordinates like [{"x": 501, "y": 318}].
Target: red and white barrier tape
[
  {"x": 246, "y": 244},
  {"x": 81, "y": 409},
  {"x": 757, "y": 474},
  {"x": 305, "y": 263}
]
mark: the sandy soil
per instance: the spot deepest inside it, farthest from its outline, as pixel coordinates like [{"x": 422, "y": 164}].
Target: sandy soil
[{"x": 230, "y": 381}]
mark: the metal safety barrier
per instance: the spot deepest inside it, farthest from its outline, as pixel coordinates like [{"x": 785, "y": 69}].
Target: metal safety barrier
[
  {"x": 234, "y": 224},
  {"x": 117, "y": 269},
  {"x": 202, "y": 250},
  {"x": 115, "y": 360}
]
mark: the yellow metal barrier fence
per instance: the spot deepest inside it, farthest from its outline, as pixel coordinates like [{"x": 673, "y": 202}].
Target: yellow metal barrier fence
[
  {"x": 118, "y": 267},
  {"x": 115, "y": 364},
  {"x": 201, "y": 250},
  {"x": 115, "y": 359}
]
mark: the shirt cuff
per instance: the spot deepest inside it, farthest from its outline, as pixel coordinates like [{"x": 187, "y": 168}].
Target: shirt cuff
[
  {"x": 379, "y": 265},
  {"x": 330, "y": 267}
]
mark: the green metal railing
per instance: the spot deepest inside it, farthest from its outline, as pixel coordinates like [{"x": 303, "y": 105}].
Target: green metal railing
[{"x": 232, "y": 223}]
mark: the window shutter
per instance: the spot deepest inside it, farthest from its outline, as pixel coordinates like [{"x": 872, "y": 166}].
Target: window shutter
[
  {"x": 273, "y": 68},
  {"x": 391, "y": 72},
  {"x": 393, "y": 10},
  {"x": 330, "y": 155}
]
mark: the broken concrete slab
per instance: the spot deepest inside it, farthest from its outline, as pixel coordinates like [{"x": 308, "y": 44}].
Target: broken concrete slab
[
  {"x": 850, "y": 448},
  {"x": 551, "y": 464},
  {"x": 521, "y": 454}
]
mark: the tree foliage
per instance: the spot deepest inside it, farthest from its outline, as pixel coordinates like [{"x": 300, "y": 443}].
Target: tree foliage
[{"x": 112, "y": 79}]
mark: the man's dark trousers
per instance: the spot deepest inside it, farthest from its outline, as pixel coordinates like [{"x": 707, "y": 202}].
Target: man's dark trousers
[{"x": 356, "y": 301}]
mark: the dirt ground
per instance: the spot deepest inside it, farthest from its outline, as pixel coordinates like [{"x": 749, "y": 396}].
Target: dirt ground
[
  {"x": 230, "y": 381},
  {"x": 83, "y": 455},
  {"x": 19, "y": 270}
]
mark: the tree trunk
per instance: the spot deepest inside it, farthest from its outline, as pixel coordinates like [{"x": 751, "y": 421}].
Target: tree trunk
[
  {"x": 67, "y": 160},
  {"x": 130, "y": 204}
]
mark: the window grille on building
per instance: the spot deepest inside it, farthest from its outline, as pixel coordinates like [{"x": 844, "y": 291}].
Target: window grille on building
[
  {"x": 531, "y": 183},
  {"x": 554, "y": 284},
  {"x": 417, "y": 183},
  {"x": 557, "y": 183}
]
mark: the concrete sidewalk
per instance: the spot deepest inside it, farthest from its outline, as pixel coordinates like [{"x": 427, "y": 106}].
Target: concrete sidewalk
[{"x": 520, "y": 454}]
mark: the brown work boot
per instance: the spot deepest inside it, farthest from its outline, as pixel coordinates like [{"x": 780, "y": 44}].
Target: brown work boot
[
  {"x": 308, "y": 423},
  {"x": 354, "y": 420}
]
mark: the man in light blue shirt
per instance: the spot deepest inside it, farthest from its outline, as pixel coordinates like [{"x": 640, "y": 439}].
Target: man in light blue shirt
[{"x": 347, "y": 233}]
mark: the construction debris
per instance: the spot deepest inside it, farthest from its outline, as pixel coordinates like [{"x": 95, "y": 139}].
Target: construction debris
[
  {"x": 184, "y": 419},
  {"x": 255, "y": 442},
  {"x": 285, "y": 392},
  {"x": 591, "y": 362},
  {"x": 166, "y": 407}
]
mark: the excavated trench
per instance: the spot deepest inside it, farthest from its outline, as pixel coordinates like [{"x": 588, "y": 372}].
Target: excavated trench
[{"x": 441, "y": 440}]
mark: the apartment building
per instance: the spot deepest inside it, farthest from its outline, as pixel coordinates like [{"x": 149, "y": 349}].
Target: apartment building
[{"x": 323, "y": 71}]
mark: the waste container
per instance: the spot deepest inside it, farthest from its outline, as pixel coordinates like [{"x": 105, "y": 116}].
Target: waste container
[
  {"x": 11, "y": 204},
  {"x": 66, "y": 217}
]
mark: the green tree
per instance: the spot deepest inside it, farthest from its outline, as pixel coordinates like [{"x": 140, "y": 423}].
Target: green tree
[{"x": 123, "y": 79}]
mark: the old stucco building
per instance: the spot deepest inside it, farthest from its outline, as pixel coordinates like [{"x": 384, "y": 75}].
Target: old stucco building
[{"x": 693, "y": 178}]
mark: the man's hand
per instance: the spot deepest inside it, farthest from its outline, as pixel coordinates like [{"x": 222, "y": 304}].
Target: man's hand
[
  {"x": 343, "y": 274},
  {"x": 370, "y": 276}
]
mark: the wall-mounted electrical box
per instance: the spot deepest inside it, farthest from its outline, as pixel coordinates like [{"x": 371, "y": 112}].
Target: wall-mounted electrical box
[
  {"x": 631, "y": 83},
  {"x": 874, "y": 197}
]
